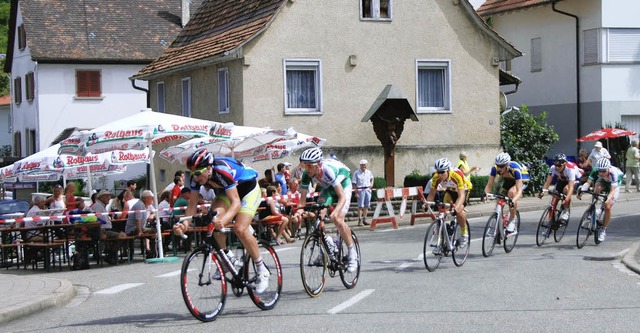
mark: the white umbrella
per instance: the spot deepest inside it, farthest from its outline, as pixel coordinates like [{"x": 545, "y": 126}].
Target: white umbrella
[
  {"x": 141, "y": 130},
  {"x": 284, "y": 148}
]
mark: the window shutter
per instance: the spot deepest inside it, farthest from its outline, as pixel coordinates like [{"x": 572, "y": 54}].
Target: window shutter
[
  {"x": 536, "y": 54},
  {"x": 22, "y": 37},
  {"x": 88, "y": 84},
  {"x": 624, "y": 45},
  {"x": 591, "y": 46},
  {"x": 30, "y": 86},
  {"x": 17, "y": 90}
]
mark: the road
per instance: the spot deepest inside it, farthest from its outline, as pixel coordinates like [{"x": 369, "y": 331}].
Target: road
[{"x": 532, "y": 289}]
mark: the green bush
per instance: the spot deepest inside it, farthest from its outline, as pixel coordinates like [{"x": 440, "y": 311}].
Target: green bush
[
  {"x": 479, "y": 183},
  {"x": 415, "y": 179},
  {"x": 378, "y": 182}
]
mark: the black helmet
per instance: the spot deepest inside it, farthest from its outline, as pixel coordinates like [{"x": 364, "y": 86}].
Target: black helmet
[
  {"x": 201, "y": 158},
  {"x": 560, "y": 158}
]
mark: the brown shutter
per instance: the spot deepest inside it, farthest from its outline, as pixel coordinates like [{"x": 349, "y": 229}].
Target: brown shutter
[
  {"x": 17, "y": 90},
  {"x": 30, "y": 86},
  {"x": 88, "y": 84}
]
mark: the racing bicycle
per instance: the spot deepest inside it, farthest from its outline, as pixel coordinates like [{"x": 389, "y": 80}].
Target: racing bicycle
[
  {"x": 591, "y": 221},
  {"x": 321, "y": 254},
  {"x": 495, "y": 232},
  {"x": 444, "y": 237},
  {"x": 207, "y": 271},
  {"x": 551, "y": 219}
]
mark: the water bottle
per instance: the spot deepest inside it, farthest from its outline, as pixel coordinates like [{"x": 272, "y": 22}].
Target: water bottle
[
  {"x": 331, "y": 245},
  {"x": 335, "y": 246}
]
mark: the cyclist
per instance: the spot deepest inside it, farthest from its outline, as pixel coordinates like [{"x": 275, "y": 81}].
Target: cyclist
[
  {"x": 608, "y": 181},
  {"x": 566, "y": 174},
  {"x": 237, "y": 197},
  {"x": 456, "y": 191},
  {"x": 335, "y": 179},
  {"x": 515, "y": 178}
]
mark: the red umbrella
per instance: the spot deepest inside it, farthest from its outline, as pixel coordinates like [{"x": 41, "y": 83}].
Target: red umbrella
[{"x": 605, "y": 133}]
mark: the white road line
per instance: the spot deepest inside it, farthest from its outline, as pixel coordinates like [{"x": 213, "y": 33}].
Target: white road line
[
  {"x": 170, "y": 274},
  {"x": 353, "y": 300},
  {"x": 118, "y": 288},
  {"x": 403, "y": 266}
]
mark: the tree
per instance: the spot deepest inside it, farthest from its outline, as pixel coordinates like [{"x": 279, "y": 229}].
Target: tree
[{"x": 527, "y": 139}]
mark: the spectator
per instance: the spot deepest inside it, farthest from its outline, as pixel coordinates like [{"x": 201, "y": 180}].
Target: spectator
[
  {"x": 36, "y": 210},
  {"x": 362, "y": 181},
  {"x": 267, "y": 180},
  {"x": 127, "y": 203},
  {"x": 272, "y": 214},
  {"x": 281, "y": 179},
  {"x": 182, "y": 201},
  {"x": 632, "y": 166},
  {"x": 597, "y": 152},
  {"x": 175, "y": 191},
  {"x": 56, "y": 201},
  {"x": 100, "y": 206},
  {"x": 463, "y": 165},
  {"x": 137, "y": 220},
  {"x": 178, "y": 173},
  {"x": 164, "y": 209},
  {"x": 69, "y": 197},
  {"x": 585, "y": 164},
  {"x": 208, "y": 194}
]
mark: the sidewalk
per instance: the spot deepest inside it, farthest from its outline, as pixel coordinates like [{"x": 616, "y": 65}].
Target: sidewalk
[{"x": 25, "y": 295}]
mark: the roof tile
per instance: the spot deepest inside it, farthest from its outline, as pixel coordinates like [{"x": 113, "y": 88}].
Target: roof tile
[{"x": 492, "y": 7}]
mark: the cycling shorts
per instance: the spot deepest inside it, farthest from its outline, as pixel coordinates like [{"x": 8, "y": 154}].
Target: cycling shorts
[
  {"x": 329, "y": 197},
  {"x": 249, "y": 203}
]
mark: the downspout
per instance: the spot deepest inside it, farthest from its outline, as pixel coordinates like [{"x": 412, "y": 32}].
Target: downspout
[
  {"x": 149, "y": 173},
  {"x": 578, "y": 108}
]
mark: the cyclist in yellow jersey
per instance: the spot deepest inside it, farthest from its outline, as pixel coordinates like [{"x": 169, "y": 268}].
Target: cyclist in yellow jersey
[{"x": 456, "y": 187}]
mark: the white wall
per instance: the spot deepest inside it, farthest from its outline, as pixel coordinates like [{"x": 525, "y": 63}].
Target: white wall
[
  {"x": 620, "y": 13},
  {"x": 5, "y": 136}
]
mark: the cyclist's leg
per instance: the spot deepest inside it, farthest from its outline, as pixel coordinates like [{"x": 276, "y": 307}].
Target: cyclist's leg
[
  {"x": 609, "y": 206},
  {"x": 330, "y": 196},
  {"x": 250, "y": 203}
]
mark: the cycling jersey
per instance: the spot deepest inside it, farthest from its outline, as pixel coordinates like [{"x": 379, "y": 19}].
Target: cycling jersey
[
  {"x": 228, "y": 172},
  {"x": 333, "y": 172},
  {"x": 570, "y": 172},
  {"x": 614, "y": 178},
  {"x": 454, "y": 182},
  {"x": 515, "y": 171}
]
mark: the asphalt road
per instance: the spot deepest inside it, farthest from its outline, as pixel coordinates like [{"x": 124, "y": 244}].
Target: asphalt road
[{"x": 532, "y": 289}]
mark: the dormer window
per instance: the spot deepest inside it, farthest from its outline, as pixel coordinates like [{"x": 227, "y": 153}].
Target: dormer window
[{"x": 375, "y": 10}]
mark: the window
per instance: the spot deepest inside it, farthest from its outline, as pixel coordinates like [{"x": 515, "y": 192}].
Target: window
[
  {"x": 433, "y": 87},
  {"x": 17, "y": 90},
  {"x": 88, "y": 83},
  {"x": 536, "y": 54},
  {"x": 22, "y": 37},
  {"x": 186, "y": 97},
  {"x": 31, "y": 141},
  {"x": 30, "y": 86},
  {"x": 160, "y": 87},
  {"x": 303, "y": 86},
  {"x": 17, "y": 144},
  {"x": 375, "y": 10},
  {"x": 591, "y": 45},
  {"x": 223, "y": 90},
  {"x": 621, "y": 45}
]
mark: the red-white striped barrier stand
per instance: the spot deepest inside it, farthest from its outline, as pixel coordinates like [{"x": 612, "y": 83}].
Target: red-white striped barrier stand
[{"x": 385, "y": 196}]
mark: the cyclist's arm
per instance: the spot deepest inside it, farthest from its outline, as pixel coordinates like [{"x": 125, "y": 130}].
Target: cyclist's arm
[
  {"x": 193, "y": 203},
  {"x": 545, "y": 185},
  {"x": 487, "y": 189},
  {"x": 303, "y": 198}
]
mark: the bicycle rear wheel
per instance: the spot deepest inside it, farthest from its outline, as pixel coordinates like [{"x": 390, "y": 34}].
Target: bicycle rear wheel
[
  {"x": 584, "y": 228},
  {"x": 267, "y": 299},
  {"x": 204, "y": 296},
  {"x": 544, "y": 226},
  {"x": 313, "y": 265},
  {"x": 489, "y": 235},
  {"x": 558, "y": 234},
  {"x": 349, "y": 280},
  {"x": 459, "y": 255},
  {"x": 510, "y": 239},
  {"x": 432, "y": 250}
]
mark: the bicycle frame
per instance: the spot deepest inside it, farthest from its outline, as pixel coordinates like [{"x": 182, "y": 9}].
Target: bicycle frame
[
  {"x": 444, "y": 210},
  {"x": 334, "y": 264}
]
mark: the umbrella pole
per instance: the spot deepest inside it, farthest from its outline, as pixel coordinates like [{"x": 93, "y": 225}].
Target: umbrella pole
[{"x": 161, "y": 257}]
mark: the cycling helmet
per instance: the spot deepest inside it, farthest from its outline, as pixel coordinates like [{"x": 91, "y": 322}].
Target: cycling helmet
[
  {"x": 603, "y": 164},
  {"x": 311, "y": 155},
  {"x": 560, "y": 158},
  {"x": 503, "y": 158},
  {"x": 442, "y": 164},
  {"x": 201, "y": 158}
]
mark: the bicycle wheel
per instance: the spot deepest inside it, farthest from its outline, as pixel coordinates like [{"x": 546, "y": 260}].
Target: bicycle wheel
[
  {"x": 267, "y": 299},
  {"x": 432, "y": 251},
  {"x": 313, "y": 265},
  {"x": 459, "y": 255},
  {"x": 544, "y": 226},
  {"x": 489, "y": 235},
  {"x": 349, "y": 280},
  {"x": 562, "y": 227},
  {"x": 203, "y": 295},
  {"x": 511, "y": 238},
  {"x": 584, "y": 228}
]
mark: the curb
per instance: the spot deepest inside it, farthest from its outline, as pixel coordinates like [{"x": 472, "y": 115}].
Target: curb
[
  {"x": 60, "y": 296},
  {"x": 629, "y": 258}
]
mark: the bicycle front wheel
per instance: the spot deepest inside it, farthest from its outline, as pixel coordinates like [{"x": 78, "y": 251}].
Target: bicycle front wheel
[
  {"x": 203, "y": 294},
  {"x": 584, "y": 228},
  {"x": 432, "y": 251},
  {"x": 349, "y": 280},
  {"x": 267, "y": 299},
  {"x": 490, "y": 235},
  {"x": 510, "y": 239},
  {"x": 558, "y": 234},
  {"x": 313, "y": 265},
  {"x": 460, "y": 254},
  {"x": 544, "y": 226}
]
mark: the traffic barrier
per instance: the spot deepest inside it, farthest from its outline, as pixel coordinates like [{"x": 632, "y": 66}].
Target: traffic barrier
[
  {"x": 414, "y": 207},
  {"x": 385, "y": 196}
]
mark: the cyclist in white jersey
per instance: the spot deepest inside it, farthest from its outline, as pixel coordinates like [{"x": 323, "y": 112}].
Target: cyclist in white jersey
[
  {"x": 335, "y": 179},
  {"x": 565, "y": 175}
]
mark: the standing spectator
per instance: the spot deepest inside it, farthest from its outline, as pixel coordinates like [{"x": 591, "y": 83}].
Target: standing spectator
[
  {"x": 69, "y": 197},
  {"x": 632, "y": 166},
  {"x": 287, "y": 172},
  {"x": 463, "y": 165},
  {"x": 597, "y": 152},
  {"x": 281, "y": 179},
  {"x": 178, "y": 173},
  {"x": 175, "y": 191},
  {"x": 585, "y": 164},
  {"x": 362, "y": 181}
]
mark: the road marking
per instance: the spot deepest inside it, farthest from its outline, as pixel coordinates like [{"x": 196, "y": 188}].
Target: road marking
[
  {"x": 82, "y": 293},
  {"x": 403, "y": 266},
  {"x": 170, "y": 274},
  {"x": 118, "y": 288},
  {"x": 353, "y": 300}
]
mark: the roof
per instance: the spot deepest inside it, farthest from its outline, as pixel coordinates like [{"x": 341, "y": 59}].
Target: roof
[
  {"x": 5, "y": 100},
  {"x": 218, "y": 28},
  {"x": 492, "y": 7},
  {"x": 391, "y": 95},
  {"x": 507, "y": 78},
  {"x": 96, "y": 31}
]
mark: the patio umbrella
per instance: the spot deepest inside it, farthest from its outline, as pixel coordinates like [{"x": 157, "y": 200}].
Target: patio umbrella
[
  {"x": 606, "y": 133},
  {"x": 144, "y": 129},
  {"x": 284, "y": 148}
]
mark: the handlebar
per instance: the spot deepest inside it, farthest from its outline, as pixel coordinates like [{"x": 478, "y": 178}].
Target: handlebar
[
  {"x": 209, "y": 216},
  {"x": 598, "y": 195},
  {"x": 500, "y": 196},
  {"x": 555, "y": 193}
]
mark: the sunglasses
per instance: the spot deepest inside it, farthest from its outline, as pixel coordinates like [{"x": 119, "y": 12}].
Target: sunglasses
[
  {"x": 500, "y": 166},
  {"x": 559, "y": 164},
  {"x": 602, "y": 171},
  {"x": 441, "y": 172},
  {"x": 199, "y": 171}
]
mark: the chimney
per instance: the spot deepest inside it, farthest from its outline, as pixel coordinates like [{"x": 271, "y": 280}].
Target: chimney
[{"x": 185, "y": 12}]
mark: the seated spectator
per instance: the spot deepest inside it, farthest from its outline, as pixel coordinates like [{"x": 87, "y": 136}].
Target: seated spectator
[
  {"x": 182, "y": 201},
  {"x": 137, "y": 220},
  {"x": 267, "y": 180},
  {"x": 100, "y": 206},
  {"x": 176, "y": 190},
  {"x": 39, "y": 203},
  {"x": 128, "y": 201},
  {"x": 272, "y": 215},
  {"x": 164, "y": 209}
]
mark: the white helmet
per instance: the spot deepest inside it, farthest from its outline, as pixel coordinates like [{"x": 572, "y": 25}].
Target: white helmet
[
  {"x": 311, "y": 155},
  {"x": 503, "y": 158},
  {"x": 442, "y": 164},
  {"x": 603, "y": 164}
]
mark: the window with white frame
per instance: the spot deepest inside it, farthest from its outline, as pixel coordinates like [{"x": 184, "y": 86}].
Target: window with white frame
[
  {"x": 303, "y": 86},
  {"x": 186, "y": 97},
  {"x": 223, "y": 90},
  {"x": 160, "y": 96},
  {"x": 433, "y": 89},
  {"x": 612, "y": 45},
  {"x": 536, "y": 54},
  {"x": 375, "y": 9}
]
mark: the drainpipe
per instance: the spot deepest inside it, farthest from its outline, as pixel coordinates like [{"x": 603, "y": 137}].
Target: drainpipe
[
  {"x": 133, "y": 84},
  {"x": 578, "y": 108}
]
